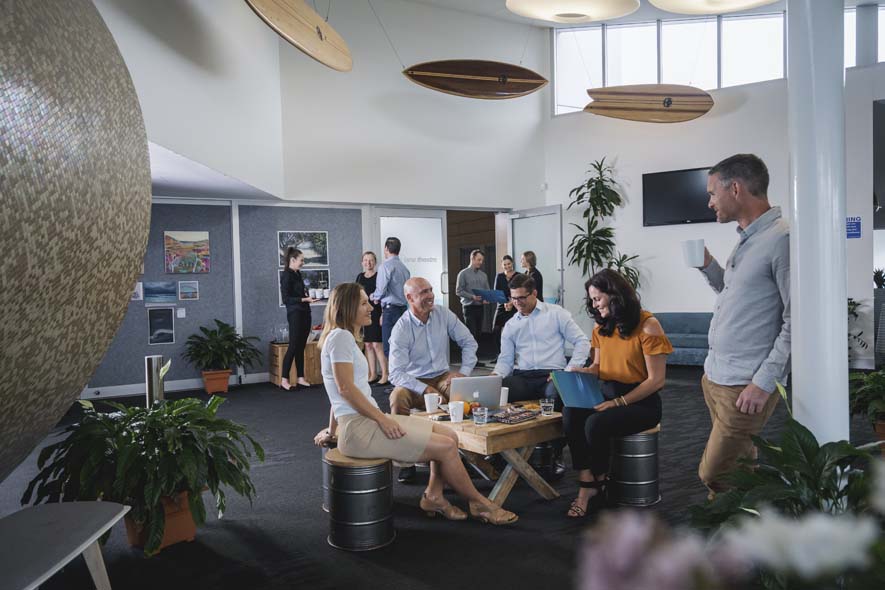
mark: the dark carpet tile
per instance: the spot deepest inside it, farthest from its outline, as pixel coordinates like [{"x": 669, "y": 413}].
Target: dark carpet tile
[{"x": 280, "y": 541}]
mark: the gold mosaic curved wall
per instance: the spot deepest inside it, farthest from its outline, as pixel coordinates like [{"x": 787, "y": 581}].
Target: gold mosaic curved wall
[{"x": 75, "y": 194}]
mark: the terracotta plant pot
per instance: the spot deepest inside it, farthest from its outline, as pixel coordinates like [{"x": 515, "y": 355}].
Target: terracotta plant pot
[
  {"x": 179, "y": 524},
  {"x": 879, "y": 427},
  {"x": 216, "y": 381}
]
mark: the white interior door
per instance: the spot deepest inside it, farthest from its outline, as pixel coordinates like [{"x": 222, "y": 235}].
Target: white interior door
[
  {"x": 424, "y": 248},
  {"x": 540, "y": 230}
]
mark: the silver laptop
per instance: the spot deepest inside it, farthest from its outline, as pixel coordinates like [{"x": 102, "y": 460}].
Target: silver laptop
[{"x": 488, "y": 388}]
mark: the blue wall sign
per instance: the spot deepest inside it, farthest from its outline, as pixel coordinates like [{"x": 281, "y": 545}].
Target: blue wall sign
[{"x": 852, "y": 227}]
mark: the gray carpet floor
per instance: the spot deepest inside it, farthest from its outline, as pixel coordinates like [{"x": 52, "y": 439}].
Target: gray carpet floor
[{"x": 280, "y": 540}]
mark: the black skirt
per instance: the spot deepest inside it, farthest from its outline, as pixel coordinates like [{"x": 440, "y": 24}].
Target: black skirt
[{"x": 372, "y": 332}]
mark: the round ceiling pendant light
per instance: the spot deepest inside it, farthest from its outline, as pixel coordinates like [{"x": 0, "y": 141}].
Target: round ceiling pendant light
[
  {"x": 572, "y": 11},
  {"x": 708, "y": 6}
]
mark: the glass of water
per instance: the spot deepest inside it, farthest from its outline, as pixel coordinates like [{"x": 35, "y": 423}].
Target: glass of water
[
  {"x": 480, "y": 416},
  {"x": 546, "y": 407}
]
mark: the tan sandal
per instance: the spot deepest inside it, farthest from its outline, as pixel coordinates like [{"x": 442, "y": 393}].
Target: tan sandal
[
  {"x": 441, "y": 506},
  {"x": 495, "y": 516}
]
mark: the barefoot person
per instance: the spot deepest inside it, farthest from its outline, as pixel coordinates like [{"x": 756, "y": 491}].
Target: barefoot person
[{"x": 365, "y": 432}]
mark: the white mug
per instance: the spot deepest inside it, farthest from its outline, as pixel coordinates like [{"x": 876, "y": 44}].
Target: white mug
[
  {"x": 313, "y": 293},
  {"x": 325, "y": 293},
  {"x": 431, "y": 401},
  {"x": 505, "y": 393},
  {"x": 693, "y": 253},
  {"x": 456, "y": 411}
]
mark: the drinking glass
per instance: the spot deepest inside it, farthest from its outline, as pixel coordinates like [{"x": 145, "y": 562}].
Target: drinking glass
[
  {"x": 547, "y": 407},
  {"x": 480, "y": 416}
]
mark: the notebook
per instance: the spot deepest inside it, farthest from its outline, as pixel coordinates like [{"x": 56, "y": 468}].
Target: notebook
[
  {"x": 492, "y": 296},
  {"x": 578, "y": 390}
]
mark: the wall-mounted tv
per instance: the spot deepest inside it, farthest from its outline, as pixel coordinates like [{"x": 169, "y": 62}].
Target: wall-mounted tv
[{"x": 675, "y": 197}]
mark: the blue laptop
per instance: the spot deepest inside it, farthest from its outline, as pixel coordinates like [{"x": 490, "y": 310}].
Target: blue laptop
[{"x": 578, "y": 390}]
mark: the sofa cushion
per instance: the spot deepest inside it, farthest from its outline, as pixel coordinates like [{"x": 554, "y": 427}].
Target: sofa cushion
[
  {"x": 685, "y": 322},
  {"x": 689, "y": 340}
]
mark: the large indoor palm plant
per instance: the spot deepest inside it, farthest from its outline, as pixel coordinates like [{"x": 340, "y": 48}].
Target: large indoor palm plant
[
  {"x": 152, "y": 459},
  {"x": 593, "y": 246},
  {"x": 215, "y": 351}
]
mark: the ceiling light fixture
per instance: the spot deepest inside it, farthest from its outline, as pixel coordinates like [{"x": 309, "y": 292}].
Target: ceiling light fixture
[
  {"x": 572, "y": 11},
  {"x": 708, "y": 6}
]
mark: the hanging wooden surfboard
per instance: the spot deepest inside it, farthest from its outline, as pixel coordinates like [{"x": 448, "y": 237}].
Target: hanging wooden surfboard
[
  {"x": 475, "y": 78},
  {"x": 300, "y": 25},
  {"x": 652, "y": 103}
]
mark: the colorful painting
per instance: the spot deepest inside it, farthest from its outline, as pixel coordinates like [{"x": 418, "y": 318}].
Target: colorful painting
[
  {"x": 314, "y": 245},
  {"x": 161, "y": 325},
  {"x": 313, "y": 279},
  {"x": 137, "y": 292},
  {"x": 159, "y": 292},
  {"x": 188, "y": 290},
  {"x": 186, "y": 251}
]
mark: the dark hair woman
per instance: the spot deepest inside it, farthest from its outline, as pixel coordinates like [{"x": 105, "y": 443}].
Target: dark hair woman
[
  {"x": 504, "y": 311},
  {"x": 530, "y": 263},
  {"x": 629, "y": 356},
  {"x": 297, "y": 303},
  {"x": 364, "y": 431}
]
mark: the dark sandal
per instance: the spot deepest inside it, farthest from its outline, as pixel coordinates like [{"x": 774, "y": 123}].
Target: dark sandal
[{"x": 575, "y": 510}]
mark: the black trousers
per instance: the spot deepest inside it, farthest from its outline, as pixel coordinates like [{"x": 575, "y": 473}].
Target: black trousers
[
  {"x": 530, "y": 385},
  {"x": 589, "y": 433},
  {"x": 299, "y": 330},
  {"x": 473, "y": 316}
]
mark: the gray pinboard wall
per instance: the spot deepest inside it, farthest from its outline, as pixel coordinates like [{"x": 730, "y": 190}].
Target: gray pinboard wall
[
  {"x": 123, "y": 363},
  {"x": 259, "y": 261}
]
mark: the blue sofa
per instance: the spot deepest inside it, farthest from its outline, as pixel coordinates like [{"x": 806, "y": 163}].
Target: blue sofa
[{"x": 688, "y": 334}]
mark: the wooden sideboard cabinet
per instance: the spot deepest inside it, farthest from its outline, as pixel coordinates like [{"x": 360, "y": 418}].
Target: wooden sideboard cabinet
[{"x": 311, "y": 364}]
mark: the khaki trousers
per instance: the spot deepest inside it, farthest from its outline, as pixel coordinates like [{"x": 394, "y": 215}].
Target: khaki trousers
[
  {"x": 730, "y": 436},
  {"x": 402, "y": 400}
]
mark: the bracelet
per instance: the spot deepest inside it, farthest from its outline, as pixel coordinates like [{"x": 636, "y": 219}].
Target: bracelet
[{"x": 624, "y": 401}]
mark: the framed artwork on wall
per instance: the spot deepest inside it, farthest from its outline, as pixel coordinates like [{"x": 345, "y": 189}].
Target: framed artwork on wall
[
  {"x": 137, "y": 292},
  {"x": 314, "y": 278},
  {"x": 160, "y": 292},
  {"x": 188, "y": 290},
  {"x": 161, "y": 325},
  {"x": 314, "y": 245},
  {"x": 186, "y": 251}
]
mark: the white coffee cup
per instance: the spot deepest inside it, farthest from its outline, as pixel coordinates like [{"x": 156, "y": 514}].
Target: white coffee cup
[
  {"x": 456, "y": 411},
  {"x": 313, "y": 293},
  {"x": 325, "y": 293},
  {"x": 505, "y": 394},
  {"x": 693, "y": 253},
  {"x": 431, "y": 401}
]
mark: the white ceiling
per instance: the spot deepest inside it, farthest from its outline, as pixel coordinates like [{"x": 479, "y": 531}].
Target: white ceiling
[
  {"x": 173, "y": 175},
  {"x": 646, "y": 12}
]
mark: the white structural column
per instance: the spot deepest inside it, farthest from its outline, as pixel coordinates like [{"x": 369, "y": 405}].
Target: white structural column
[
  {"x": 815, "y": 83},
  {"x": 867, "y": 39}
]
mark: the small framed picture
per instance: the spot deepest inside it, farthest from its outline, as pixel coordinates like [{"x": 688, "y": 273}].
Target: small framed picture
[
  {"x": 161, "y": 325},
  {"x": 159, "y": 292},
  {"x": 137, "y": 292},
  {"x": 188, "y": 290}
]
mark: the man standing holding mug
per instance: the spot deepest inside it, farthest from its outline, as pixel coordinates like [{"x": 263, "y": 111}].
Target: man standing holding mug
[{"x": 749, "y": 335}]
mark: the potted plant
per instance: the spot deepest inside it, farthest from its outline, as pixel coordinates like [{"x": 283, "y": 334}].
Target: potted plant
[
  {"x": 593, "y": 246},
  {"x": 157, "y": 460},
  {"x": 879, "y": 278},
  {"x": 867, "y": 398},
  {"x": 215, "y": 351}
]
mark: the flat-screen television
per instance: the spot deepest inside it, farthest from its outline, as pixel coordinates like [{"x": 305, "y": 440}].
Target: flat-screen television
[{"x": 678, "y": 196}]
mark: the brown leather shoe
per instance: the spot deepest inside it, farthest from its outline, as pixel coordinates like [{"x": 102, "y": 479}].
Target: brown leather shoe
[
  {"x": 441, "y": 506},
  {"x": 496, "y": 515}
]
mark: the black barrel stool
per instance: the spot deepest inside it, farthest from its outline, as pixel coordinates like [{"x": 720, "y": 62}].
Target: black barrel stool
[
  {"x": 358, "y": 494},
  {"x": 633, "y": 478}
]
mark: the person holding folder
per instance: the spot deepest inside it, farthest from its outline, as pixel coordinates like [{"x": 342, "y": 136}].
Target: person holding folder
[{"x": 630, "y": 358}]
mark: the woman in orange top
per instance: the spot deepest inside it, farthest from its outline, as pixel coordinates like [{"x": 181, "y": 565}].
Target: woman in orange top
[{"x": 630, "y": 358}]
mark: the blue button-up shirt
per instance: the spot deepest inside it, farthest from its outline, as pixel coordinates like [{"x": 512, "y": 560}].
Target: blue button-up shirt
[
  {"x": 539, "y": 340},
  {"x": 750, "y": 330},
  {"x": 422, "y": 350},
  {"x": 392, "y": 277}
]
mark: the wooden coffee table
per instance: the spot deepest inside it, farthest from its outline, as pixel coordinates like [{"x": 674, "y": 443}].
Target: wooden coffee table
[{"x": 515, "y": 443}]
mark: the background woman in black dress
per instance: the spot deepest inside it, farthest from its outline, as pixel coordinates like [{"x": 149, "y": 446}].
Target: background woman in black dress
[
  {"x": 297, "y": 303},
  {"x": 530, "y": 263},
  {"x": 504, "y": 311},
  {"x": 372, "y": 332}
]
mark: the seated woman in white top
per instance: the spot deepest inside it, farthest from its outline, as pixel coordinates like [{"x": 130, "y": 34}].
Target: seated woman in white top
[{"x": 365, "y": 432}]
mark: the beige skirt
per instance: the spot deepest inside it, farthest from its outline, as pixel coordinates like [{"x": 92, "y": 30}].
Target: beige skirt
[{"x": 362, "y": 438}]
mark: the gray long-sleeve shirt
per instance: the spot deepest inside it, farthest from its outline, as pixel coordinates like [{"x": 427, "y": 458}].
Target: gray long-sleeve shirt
[
  {"x": 468, "y": 280},
  {"x": 750, "y": 331}
]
